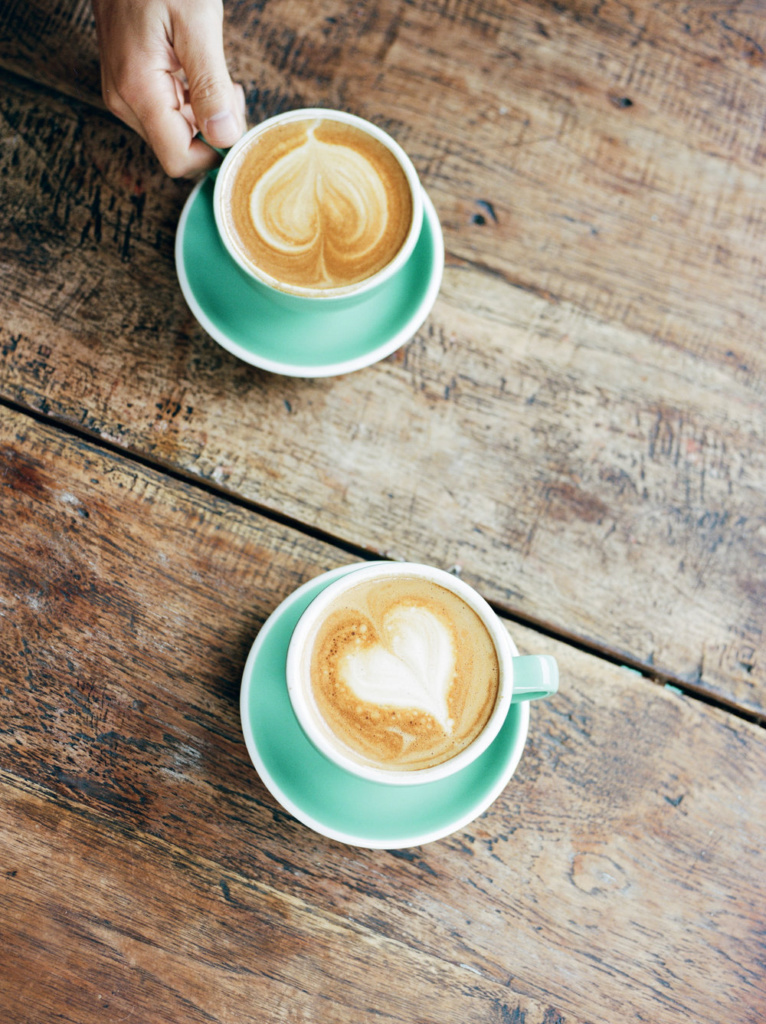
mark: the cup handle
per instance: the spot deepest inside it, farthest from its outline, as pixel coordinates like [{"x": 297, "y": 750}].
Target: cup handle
[
  {"x": 218, "y": 150},
  {"x": 534, "y": 676}
]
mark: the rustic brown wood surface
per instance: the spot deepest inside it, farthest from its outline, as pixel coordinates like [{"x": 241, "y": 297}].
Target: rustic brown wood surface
[
  {"x": 579, "y": 429},
  {"x": 147, "y": 873},
  {"x": 581, "y": 423}
]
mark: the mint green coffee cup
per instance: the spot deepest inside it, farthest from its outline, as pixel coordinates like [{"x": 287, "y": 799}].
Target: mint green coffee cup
[
  {"x": 340, "y": 805},
  {"x": 321, "y": 225},
  {"x": 402, "y": 674}
]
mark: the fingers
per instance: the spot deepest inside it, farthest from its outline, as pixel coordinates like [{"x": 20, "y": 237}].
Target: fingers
[
  {"x": 169, "y": 129},
  {"x": 218, "y": 104},
  {"x": 146, "y": 50},
  {"x": 149, "y": 102}
]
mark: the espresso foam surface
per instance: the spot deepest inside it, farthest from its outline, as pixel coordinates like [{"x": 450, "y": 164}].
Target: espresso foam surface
[
  {"x": 403, "y": 673},
  {"x": 317, "y": 204}
]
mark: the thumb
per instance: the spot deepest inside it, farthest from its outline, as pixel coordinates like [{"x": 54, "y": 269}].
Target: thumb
[{"x": 217, "y": 104}]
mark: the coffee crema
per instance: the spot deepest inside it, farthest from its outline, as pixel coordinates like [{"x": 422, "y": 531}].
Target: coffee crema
[
  {"x": 317, "y": 204},
  {"x": 403, "y": 673}
]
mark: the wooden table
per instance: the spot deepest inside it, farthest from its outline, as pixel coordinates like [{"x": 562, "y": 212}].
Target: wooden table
[{"x": 579, "y": 429}]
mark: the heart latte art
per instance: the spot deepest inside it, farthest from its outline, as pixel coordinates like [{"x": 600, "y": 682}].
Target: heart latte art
[
  {"x": 317, "y": 204},
  {"x": 403, "y": 673},
  {"x": 412, "y": 665}
]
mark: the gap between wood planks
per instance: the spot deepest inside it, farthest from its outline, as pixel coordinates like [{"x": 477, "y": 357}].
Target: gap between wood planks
[{"x": 546, "y": 629}]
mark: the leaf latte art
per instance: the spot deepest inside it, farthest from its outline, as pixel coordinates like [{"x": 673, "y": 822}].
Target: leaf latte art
[
  {"x": 318, "y": 204},
  {"x": 323, "y": 204}
]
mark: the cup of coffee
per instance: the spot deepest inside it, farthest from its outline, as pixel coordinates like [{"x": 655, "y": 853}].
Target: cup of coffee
[
  {"x": 318, "y": 206},
  {"x": 402, "y": 673}
]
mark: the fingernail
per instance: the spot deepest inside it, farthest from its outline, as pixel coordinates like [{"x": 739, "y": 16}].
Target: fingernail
[{"x": 222, "y": 127}]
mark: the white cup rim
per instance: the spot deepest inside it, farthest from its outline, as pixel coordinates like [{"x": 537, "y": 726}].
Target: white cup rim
[
  {"x": 473, "y": 599},
  {"x": 325, "y": 294}
]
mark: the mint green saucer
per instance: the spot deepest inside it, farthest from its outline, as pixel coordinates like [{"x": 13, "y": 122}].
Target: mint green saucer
[
  {"x": 330, "y": 800},
  {"x": 322, "y": 344}
]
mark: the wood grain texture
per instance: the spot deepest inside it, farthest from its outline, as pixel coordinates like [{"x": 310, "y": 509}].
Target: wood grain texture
[
  {"x": 586, "y": 412},
  {"x": 584, "y": 475},
  {"x": 147, "y": 871},
  {"x": 53, "y": 43},
  {"x": 131, "y": 927}
]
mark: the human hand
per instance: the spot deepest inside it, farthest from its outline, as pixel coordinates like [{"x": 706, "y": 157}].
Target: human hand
[{"x": 163, "y": 72}]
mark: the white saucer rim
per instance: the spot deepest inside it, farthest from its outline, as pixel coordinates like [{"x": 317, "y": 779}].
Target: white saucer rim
[
  {"x": 349, "y": 838},
  {"x": 404, "y": 334}
]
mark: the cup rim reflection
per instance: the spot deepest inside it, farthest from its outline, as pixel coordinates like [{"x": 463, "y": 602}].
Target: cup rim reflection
[
  {"x": 297, "y": 686},
  {"x": 315, "y": 295}
]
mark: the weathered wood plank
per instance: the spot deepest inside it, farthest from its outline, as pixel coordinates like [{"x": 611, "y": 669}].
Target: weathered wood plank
[
  {"x": 606, "y": 137},
  {"x": 614, "y": 877},
  {"x": 113, "y": 925},
  {"x": 52, "y": 43},
  {"x": 563, "y": 461}
]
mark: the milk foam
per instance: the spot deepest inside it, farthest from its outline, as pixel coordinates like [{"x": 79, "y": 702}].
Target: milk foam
[
  {"x": 322, "y": 201},
  {"x": 316, "y": 204},
  {"x": 413, "y": 665},
  {"x": 403, "y": 673}
]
